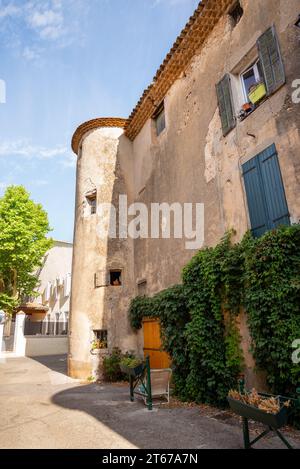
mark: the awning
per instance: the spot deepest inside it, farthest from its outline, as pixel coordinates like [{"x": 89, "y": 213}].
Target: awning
[{"x": 33, "y": 308}]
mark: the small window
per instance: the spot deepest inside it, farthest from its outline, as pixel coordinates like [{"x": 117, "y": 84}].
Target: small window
[
  {"x": 236, "y": 13},
  {"x": 100, "y": 339},
  {"x": 160, "y": 119},
  {"x": 298, "y": 22},
  {"x": 92, "y": 201},
  {"x": 115, "y": 278},
  {"x": 142, "y": 288},
  {"x": 251, "y": 78}
]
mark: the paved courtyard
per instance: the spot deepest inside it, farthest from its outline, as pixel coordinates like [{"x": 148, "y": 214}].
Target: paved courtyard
[{"x": 42, "y": 408}]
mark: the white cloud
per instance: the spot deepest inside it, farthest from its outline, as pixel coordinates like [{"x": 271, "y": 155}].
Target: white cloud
[
  {"x": 30, "y": 53},
  {"x": 41, "y": 23},
  {"x": 9, "y": 10},
  {"x": 24, "y": 149},
  {"x": 48, "y": 23}
]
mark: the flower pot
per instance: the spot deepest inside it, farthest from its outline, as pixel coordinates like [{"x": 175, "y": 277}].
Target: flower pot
[
  {"x": 134, "y": 372},
  {"x": 257, "y": 93},
  {"x": 247, "y": 107}
]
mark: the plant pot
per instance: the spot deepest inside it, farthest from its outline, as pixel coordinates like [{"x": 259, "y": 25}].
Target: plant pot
[
  {"x": 257, "y": 93},
  {"x": 247, "y": 107},
  {"x": 247, "y": 411},
  {"x": 134, "y": 372}
]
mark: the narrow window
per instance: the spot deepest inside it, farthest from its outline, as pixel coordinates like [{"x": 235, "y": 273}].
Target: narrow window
[
  {"x": 142, "y": 287},
  {"x": 298, "y": 22},
  {"x": 100, "y": 339},
  {"x": 265, "y": 192},
  {"x": 160, "y": 119},
  {"x": 92, "y": 201},
  {"x": 251, "y": 79},
  {"x": 115, "y": 277},
  {"x": 236, "y": 13}
]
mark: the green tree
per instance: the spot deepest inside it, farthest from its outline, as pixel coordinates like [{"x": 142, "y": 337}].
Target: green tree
[{"x": 23, "y": 244}]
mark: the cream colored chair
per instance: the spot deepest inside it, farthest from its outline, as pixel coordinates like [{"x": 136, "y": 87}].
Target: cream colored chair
[{"x": 160, "y": 384}]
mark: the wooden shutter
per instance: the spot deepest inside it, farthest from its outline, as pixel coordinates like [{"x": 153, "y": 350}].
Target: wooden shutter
[
  {"x": 265, "y": 192},
  {"x": 274, "y": 188},
  {"x": 101, "y": 278},
  {"x": 271, "y": 60},
  {"x": 226, "y": 107},
  {"x": 257, "y": 205}
]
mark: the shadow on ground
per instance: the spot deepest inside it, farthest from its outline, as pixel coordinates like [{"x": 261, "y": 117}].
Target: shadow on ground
[
  {"x": 57, "y": 363},
  {"x": 175, "y": 428}
]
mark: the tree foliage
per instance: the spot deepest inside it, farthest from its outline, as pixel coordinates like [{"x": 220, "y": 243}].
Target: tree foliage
[{"x": 23, "y": 244}]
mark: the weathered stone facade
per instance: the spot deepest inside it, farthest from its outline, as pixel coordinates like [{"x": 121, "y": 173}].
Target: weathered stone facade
[{"x": 190, "y": 161}]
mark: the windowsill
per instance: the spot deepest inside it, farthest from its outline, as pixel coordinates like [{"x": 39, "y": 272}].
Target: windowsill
[
  {"x": 241, "y": 119},
  {"x": 265, "y": 100}
]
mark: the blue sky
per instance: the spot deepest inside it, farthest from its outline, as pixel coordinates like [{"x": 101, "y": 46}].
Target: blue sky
[{"x": 65, "y": 62}]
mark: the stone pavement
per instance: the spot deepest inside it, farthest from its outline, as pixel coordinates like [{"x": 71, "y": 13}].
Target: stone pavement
[{"x": 42, "y": 408}]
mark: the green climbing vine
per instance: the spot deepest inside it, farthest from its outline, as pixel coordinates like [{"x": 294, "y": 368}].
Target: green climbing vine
[
  {"x": 272, "y": 302},
  {"x": 199, "y": 318}
]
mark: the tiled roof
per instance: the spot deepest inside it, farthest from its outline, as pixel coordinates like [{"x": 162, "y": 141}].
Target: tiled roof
[
  {"x": 186, "y": 45},
  {"x": 192, "y": 37},
  {"x": 95, "y": 124}
]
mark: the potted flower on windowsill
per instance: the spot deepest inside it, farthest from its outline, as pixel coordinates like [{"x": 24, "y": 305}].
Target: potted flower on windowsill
[
  {"x": 97, "y": 346},
  {"x": 247, "y": 107},
  {"x": 132, "y": 366}
]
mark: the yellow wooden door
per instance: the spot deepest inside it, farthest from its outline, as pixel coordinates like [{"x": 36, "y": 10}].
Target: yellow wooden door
[{"x": 152, "y": 345}]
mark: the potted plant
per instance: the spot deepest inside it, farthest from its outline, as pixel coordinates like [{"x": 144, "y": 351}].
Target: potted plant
[
  {"x": 247, "y": 107},
  {"x": 257, "y": 92},
  {"x": 98, "y": 345},
  {"x": 132, "y": 366}
]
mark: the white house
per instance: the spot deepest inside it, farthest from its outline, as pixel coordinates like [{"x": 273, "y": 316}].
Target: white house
[{"x": 48, "y": 314}]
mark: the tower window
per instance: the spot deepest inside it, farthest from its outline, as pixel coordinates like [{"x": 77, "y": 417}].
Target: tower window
[
  {"x": 115, "y": 277},
  {"x": 298, "y": 22},
  {"x": 142, "y": 287},
  {"x": 236, "y": 13},
  {"x": 92, "y": 201},
  {"x": 100, "y": 339}
]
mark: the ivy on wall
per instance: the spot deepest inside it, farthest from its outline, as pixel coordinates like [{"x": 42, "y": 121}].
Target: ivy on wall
[
  {"x": 199, "y": 318},
  {"x": 272, "y": 302}
]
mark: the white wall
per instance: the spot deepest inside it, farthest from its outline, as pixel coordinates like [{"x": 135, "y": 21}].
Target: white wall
[
  {"x": 58, "y": 263},
  {"x": 38, "y": 346}
]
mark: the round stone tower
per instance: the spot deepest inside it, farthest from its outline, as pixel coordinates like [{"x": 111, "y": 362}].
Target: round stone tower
[{"x": 102, "y": 273}]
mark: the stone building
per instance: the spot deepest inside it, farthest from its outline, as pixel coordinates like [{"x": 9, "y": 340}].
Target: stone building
[{"x": 219, "y": 125}]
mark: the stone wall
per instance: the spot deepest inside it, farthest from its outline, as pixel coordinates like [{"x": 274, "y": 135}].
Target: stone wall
[{"x": 190, "y": 161}]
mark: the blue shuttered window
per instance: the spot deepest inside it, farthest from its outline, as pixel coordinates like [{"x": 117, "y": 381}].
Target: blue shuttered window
[{"x": 265, "y": 192}]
